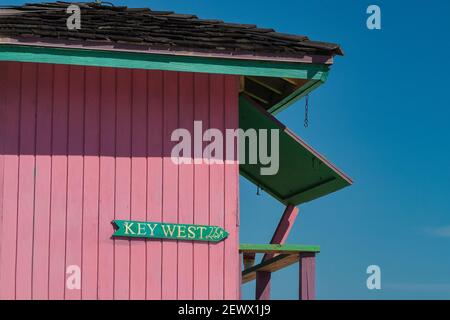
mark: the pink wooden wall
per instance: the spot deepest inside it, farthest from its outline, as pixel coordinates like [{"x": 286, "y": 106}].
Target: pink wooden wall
[{"x": 81, "y": 146}]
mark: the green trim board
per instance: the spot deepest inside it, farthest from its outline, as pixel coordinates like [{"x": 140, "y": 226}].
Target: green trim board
[
  {"x": 295, "y": 96},
  {"x": 150, "y": 61},
  {"x": 278, "y": 248},
  {"x": 303, "y": 174}
]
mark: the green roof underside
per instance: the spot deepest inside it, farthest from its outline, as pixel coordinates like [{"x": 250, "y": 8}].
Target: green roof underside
[{"x": 303, "y": 174}]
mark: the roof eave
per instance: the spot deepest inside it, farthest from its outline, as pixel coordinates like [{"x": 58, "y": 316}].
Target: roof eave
[{"x": 139, "y": 48}]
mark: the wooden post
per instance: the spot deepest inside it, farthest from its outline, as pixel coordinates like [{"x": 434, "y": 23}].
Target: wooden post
[
  {"x": 284, "y": 227},
  {"x": 241, "y": 261},
  {"x": 307, "y": 275},
  {"x": 279, "y": 237},
  {"x": 263, "y": 285}
]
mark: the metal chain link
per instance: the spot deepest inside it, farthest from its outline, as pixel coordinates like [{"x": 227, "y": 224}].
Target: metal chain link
[{"x": 306, "y": 123}]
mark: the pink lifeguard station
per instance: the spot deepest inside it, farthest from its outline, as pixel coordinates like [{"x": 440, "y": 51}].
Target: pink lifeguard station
[{"x": 86, "y": 117}]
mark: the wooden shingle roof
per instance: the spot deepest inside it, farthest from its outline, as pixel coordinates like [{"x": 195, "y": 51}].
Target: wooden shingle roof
[{"x": 154, "y": 29}]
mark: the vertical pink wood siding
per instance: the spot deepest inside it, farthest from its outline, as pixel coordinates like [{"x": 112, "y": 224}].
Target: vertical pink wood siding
[{"x": 81, "y": 146}]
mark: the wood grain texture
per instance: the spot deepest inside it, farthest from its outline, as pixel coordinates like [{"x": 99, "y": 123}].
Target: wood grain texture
[
  {"x": 75, "y": 177},
  {"x": 58, "y": 199},
  {"x": 262, "y": 291},
  {"x": 91, "y": 184},
  {"x": 307, "y": 275},
  {"x": 107, "y": 204},
  {"x": 26, "y": 176},
  {"x": 11, "y": 125},
  {"x": 154, "y": 180},
  {"x": 186, "y": 196},
  {"x": 82, "y": 146},
  {"x": 201, "y": 191},
  {"x": 122, "y": 182},
  {"x": 138, "y": 180},
  {"x": 216, "y": 187},
  {"x": 43, "y": 182},
  {"x": 170, "y": 185}
]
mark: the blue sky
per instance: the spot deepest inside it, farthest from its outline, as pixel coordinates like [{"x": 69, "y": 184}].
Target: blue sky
[{"x": 382, "y": 118}]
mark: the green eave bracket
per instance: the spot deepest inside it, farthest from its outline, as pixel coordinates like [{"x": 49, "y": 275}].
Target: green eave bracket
[
  {"x": 151, "y": 61},
  {"x": 297, "y": 95},
  {"x": 303, "y": 173}
]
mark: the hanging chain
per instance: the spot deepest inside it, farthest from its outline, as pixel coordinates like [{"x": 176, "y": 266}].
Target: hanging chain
[
  {"x": 258, "y": 188},
  {"x": 306, "y": 111}
]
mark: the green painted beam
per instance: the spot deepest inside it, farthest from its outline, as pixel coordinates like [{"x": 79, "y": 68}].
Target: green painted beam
[
  {"x": 295, "y": 96},
  {"x": 278, "y": 248},
  {"x": 119, "y": 59}
]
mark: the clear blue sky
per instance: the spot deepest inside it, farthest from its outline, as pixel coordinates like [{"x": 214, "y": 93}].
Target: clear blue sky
[{"x": 383, "y": 118}]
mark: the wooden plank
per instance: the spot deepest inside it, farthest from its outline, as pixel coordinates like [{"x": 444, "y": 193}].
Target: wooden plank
[
  {"x": 162, "y": 62},
  {"x": 123, "y": 182},
  {"x": 272, "y": 265},
  {"x": 268, "y": 84},
  {"x": 11, "y": 87},
  {"x": 107, "y": 183},
  {"x": 291, "y": 81},
  {"x": 278, "y": 248},
  {"x": 249, "y": 259},
  {"x": 75, "y": 175},
  {"x": 43, "y": 181},
  {"x": 58, "y": 212},
  {"x": 91, "y": 183},
  {"x": 138, "y": 181},
  {"x": 262, "y": 291},
  {"x": 3, "y": 136},
  {"x": 186, "y": 196},
  {"x": 201, "y": 191},
  {"x": 154, "y": 180},
  {"x": 232, "y": 283},
  {"x": 170, "y": 185},
  {"x": 216, "y": 188},
  {"x": 279, "y": 237},
  {"x": 283, "y": 228},
  {"x": 307, "y": 268},
  {"x": 299, "y": 93},
  {"x": 25, "y": 214}
]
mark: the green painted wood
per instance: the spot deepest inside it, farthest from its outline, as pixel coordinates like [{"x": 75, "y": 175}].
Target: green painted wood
[
  {"x": 278, "y": 248},
  {"x": 158, "y": 230},
  {"x": 303, "y": 174},
  {"x": 104, "y": 58},
  {"x": 295, "y": 96}
]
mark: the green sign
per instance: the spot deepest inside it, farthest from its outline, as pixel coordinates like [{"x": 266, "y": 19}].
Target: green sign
[{"x": 158, "y": 230}]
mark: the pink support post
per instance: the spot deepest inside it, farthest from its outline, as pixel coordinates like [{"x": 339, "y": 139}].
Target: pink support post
[
  {"x": 263, "y": 285},
  {"x": 284, "y": 227},
  {"x": 307, "y": 288},
  {"x": 279, "y": 237}
]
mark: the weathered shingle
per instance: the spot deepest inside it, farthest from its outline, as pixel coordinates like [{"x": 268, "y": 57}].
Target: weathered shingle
[{"x": 158, "y": 29}]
